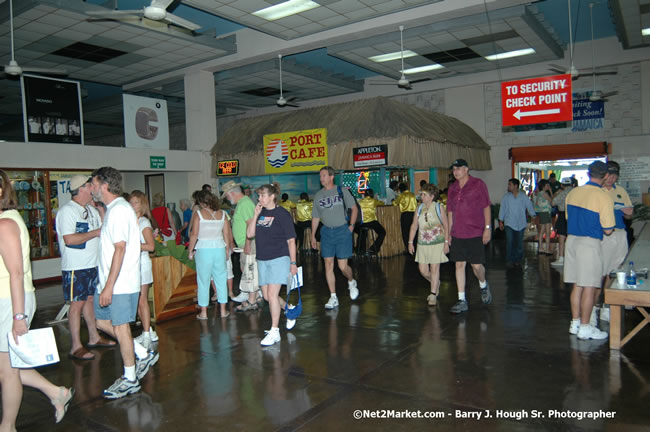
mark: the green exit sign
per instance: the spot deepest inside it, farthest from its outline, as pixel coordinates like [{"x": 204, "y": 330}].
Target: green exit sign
[{"x": 157, "y": 162}]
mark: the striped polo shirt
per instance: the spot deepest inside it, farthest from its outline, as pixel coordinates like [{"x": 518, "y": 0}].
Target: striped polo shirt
[
  {"x": 621, "y": 201},
  {"x": 589, "y": 211}
]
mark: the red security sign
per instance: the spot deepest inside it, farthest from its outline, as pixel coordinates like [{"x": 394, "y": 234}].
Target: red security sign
[{"x": 536, "y": 100}]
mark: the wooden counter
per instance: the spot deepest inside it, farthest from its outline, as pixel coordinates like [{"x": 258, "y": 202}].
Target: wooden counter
[
  {"x": 389, "y": 218},
  {"x": 618, "y": 297}
]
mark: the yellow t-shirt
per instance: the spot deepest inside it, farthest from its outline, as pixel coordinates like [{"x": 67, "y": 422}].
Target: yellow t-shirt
[
  {"x": 5, "y": 291},
  {"x": 303, "y": 210},
  {"x": 406, "y": 201},
  {"x": 369, "y": 208},
  {"x": 287, "y": 205}
]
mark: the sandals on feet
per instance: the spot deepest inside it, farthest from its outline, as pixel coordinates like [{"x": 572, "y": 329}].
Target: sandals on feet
[
  {"x": 62, "y": 400},
  {"x": 246, "y": 306},
  {"x": 81, "y": 354}
]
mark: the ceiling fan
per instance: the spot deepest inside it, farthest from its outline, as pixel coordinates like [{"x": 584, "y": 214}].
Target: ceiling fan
[
  {"x": 572, "y": 70},
  {"x": 403, "y": 82},
  {"x": 282, "y": 102},
  {"x": 156, "y": 11},
  {"x": 596, "y": 95},
  {"x": 13, "y": 69}
]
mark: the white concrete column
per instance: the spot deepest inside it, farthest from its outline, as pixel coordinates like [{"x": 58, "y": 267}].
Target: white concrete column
[{"x": 201, "y": 125}]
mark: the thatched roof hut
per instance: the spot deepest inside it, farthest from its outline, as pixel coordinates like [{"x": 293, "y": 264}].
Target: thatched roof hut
[{"x": 415, "y": 137}]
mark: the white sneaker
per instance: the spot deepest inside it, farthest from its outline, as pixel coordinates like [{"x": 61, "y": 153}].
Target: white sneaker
[
  {"x": 354, "y": 291},
  {"x": 591, "y": 332},
  {"x": 574, "y": 327},
  {"x": 604, "y": 314},
  {"x": 240, "y": 297},
  {"x": 145, "y": 340},
  {"x": 558, "y": 262},
  {"x": 153, "y": 335},
  {"x": 272, "y": 337},
  {"x": 593, "y": 320},
  {"x": 332, "y": 303},
  {"x": 291, "y": 323}
]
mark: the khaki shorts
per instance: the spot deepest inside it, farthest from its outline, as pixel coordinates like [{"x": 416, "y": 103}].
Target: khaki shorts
[
  {"x": 583, "y": 261},
  {"x": 614, "y": 248}
]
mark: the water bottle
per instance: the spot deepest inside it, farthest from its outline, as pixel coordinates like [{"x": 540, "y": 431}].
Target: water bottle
[{"x": 631, "y": 276}]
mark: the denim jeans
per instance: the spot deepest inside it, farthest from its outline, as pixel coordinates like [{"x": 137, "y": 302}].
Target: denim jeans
[{"x": 514, "y": 245}]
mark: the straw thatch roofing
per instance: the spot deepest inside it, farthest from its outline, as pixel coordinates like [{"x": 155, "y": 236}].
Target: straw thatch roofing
[{"x": 415, "y": 137}]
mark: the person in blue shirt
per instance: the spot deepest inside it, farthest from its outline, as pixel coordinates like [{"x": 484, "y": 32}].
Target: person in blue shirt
[{"x": 512, "y": 218}]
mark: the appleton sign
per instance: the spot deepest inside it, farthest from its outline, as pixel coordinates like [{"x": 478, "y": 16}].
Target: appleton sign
[
  {"x": 370, "y": 156},
  {"x": 536, "y": 100}
]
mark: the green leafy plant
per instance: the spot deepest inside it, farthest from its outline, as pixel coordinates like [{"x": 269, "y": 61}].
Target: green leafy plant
[{"x": 180, "y": 252}]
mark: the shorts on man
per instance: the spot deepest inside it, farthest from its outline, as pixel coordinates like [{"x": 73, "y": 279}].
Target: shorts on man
[
  {"x": 78, "y": 285},
  {"x": 471, "y": 250},
  {"x": 122, "y": 309},
  {"x": 583, "y": 262},
  {"x": 614, "y": 249},
  {"x": 336, "y": 242}
]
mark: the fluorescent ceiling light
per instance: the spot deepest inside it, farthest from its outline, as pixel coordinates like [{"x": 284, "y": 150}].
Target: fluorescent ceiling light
[
  {"x": 510, "y": 54},
  {"x": 422, "y": 69},
  {"x": 645, "y": 32},
  {"x": 392, "y": 56},
  {"x": 285, "y": 9}
]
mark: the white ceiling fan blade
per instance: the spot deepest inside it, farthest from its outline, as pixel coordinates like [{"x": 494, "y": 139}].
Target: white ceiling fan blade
[
  {"x": 608, "y": 94},
  {"x": 45, "y": 71},
  {"x": 182, "y": 22},
  {"x": 115, "y": 13},
  {"x": 161, "y": 3}
]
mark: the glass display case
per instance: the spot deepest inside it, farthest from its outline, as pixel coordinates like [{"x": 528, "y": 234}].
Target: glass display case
[
  {"x": 32, "y": 193},
  {"x": 40, "y": 194}
]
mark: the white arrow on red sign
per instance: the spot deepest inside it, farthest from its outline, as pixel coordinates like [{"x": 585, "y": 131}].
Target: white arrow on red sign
[{"x": 519, "y": 114}]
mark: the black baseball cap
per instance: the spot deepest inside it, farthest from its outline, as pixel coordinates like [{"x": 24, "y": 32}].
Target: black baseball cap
[
  {"x": 459, "y": 163},
  {"x": 612, "y": 167}
]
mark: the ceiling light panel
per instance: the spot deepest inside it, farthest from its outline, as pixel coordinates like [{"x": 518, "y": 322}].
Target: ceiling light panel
[
  {"x": 328, "y": 14},
  {"x": 461, "y": 44}
]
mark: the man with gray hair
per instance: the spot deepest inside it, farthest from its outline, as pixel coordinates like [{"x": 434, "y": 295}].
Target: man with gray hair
[
  {"x": 119, "y": 280},
  {"x": 77, "y": 227},
  {"x": 243, "y": 215}
]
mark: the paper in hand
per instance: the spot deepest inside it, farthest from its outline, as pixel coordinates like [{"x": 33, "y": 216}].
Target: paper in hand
[{"x": 34, "y": 349}]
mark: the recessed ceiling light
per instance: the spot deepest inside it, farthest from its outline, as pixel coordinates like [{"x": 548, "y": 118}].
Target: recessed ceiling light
[
  {"x": 645, "y": 32},
  {"x": 392, "y": 56},
  {"x": 422, "y": 69},
  {"x": 285, "y": 9},
  {"x": 510, "y": 54}
]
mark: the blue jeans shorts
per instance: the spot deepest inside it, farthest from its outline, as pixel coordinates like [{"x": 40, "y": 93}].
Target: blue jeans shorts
[
  {"x": 336, "y": 242},
  {"x": 275, "y": 271},
  {"x": 122, "y": 309},
  {"x": 78, "y": 285}
]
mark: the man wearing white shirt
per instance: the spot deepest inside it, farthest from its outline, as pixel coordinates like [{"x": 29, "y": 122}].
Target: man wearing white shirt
[
  {"x": 119, "y": 280},
  {"x": 77, "y": 227}
]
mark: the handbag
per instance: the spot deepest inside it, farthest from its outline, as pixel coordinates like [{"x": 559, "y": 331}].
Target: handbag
[{"x": 293, "y": 284}]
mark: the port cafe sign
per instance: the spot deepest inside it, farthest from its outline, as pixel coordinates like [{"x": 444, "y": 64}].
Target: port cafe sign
[
  {"x": 296, "y": 151},
  {"x": 537, "y": 100}
]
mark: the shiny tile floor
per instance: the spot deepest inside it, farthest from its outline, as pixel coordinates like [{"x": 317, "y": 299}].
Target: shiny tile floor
[{"x": 513, "y": 361}]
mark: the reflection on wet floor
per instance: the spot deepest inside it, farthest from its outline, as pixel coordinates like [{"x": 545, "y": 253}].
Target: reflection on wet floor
[{"x": 513, "y": 360}]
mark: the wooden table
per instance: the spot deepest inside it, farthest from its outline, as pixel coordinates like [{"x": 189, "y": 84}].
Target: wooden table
[{"x": 618, "y": 297}]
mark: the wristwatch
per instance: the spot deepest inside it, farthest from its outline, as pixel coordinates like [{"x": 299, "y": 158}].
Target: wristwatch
[{"x": 20, "y": 317}]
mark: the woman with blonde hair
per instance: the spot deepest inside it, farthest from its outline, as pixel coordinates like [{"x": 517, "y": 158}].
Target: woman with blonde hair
[
  {"x": 140, "y": 204},
  {"x": 275, "y": 239},
  {"x": 430, "y": 222},
  {"x": 17, "y": 308},
  {"x": 210, "y": 236}
]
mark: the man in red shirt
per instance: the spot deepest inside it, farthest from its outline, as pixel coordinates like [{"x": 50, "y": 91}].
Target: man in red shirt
[{"x": 468, "y": 211}]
